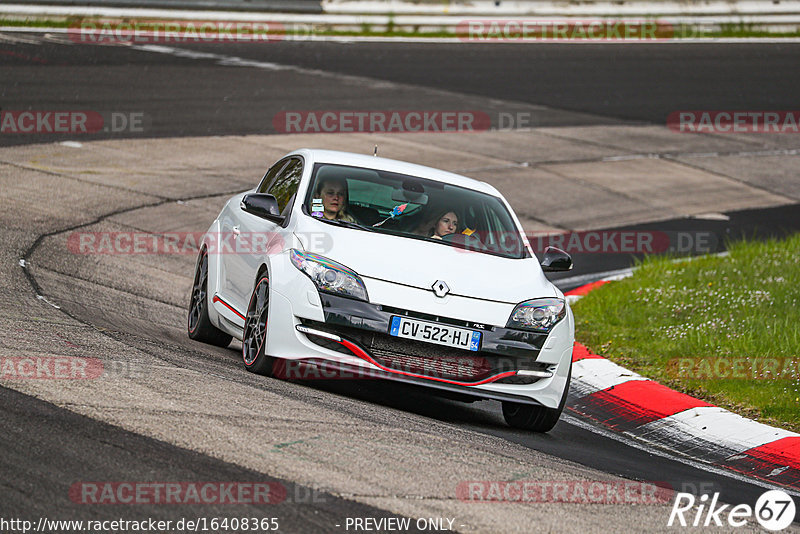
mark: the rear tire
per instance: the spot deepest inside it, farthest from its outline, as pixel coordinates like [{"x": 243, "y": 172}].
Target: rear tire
[
  {"x": 198, "y": 325},
  {"x": 254, "y": 338},
  {"x": 535, "y": 418}
]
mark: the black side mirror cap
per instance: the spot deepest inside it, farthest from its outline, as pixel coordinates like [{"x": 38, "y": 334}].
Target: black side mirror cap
[
  {"x": 556, "y": 260},
  {"x": 262, "y": 205}
]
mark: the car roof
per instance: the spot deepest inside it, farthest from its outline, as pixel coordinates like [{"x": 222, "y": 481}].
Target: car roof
[{"x": 384, "y": 164}]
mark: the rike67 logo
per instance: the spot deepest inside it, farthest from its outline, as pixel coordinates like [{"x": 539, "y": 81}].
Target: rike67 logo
[{"x": 774, "y": 510}]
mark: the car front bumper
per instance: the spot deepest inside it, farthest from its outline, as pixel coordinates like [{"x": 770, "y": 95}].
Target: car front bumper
[
  {"x": 345, "y": 338},
  {"x": 333, "y": 333}
]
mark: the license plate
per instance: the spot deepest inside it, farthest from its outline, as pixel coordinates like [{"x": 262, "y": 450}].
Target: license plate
[{"x": 441, "y": 334}]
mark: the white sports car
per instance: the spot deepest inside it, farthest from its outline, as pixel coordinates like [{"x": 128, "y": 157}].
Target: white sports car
[{"x": 359, "y": 266}]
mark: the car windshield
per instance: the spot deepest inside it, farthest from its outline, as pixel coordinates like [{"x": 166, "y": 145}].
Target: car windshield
[{"x": 413, "y": 207}]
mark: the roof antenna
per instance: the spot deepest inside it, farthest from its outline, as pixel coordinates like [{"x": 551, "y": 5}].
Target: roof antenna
[{"x": 375, "y": 152}]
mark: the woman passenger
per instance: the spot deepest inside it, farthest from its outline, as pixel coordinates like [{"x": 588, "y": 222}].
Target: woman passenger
[{"x": 444, "y": 223}]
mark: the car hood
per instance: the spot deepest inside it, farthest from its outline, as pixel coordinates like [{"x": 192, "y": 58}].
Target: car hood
[{"x": 420, "y": 263}]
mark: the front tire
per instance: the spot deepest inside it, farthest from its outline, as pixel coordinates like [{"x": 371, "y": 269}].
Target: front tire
[
  {"x": 254, "y": 338},
  {"x": 535, "y": 418},
  {"x": 199, "y": 326}
]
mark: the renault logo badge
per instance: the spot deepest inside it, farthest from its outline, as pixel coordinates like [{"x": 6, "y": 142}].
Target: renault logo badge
[{"x": 440, "y": 289}]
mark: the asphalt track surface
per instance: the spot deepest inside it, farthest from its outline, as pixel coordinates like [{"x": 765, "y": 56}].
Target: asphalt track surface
[
  {"x": 639, "y": 83},
  {"x": 45, "y": 447},
  {"x": 588, "y": 83}
]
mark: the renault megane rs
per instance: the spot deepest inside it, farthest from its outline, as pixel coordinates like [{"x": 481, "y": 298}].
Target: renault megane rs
[{"x": 347, "y": 263}]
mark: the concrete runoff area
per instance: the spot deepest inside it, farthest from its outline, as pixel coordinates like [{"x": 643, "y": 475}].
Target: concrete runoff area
[{"x": 129, "y": 310}]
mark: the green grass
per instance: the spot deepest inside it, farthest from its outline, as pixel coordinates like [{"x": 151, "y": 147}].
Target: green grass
[
  {"x": 36, "y": 23},
  {"x": 743, "y": 309}
]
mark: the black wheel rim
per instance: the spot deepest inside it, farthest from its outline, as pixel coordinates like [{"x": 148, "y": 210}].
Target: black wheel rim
[
  {"x": 198, "y": 293},
  {"x": 255, "y": 327}
]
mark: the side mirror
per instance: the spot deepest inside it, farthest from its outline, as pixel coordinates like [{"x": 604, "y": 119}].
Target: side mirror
[
  {"x": 556, "y": 260},
  {"x": 262, "y": 205}
]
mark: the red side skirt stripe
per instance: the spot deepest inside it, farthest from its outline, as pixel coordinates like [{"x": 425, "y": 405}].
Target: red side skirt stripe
[{"x": 231, "y": 308}]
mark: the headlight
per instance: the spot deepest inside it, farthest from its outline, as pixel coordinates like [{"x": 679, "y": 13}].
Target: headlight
[
  {"x": 328, "y": 275},
  {"x": 537, "y": 314}
]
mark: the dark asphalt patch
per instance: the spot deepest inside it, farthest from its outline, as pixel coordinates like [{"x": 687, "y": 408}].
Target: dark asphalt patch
[
  {"x": 762, "y": 223},
  {"x": 181, "y": 96}
]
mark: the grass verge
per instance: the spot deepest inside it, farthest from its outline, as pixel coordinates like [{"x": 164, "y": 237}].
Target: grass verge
[
  {"x": 723, "y": 329},
  {"x": 308, "y": 32}
]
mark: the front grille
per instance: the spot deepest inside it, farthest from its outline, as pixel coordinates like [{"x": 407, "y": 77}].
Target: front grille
[
  {"x": 426, "y": 359},
  {"x": 464, "y": 368}
]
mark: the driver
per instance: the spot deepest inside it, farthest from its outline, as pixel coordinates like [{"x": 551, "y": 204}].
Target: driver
[{"x": 333, "y": 192}]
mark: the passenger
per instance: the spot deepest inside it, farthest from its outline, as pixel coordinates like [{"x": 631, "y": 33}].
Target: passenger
[
  {"x": 333, "y": 192},
  {"x": 445, "y": 223}
]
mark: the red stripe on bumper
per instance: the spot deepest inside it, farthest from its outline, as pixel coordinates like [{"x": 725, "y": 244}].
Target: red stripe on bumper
[{"x": 355, "y": 349}]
